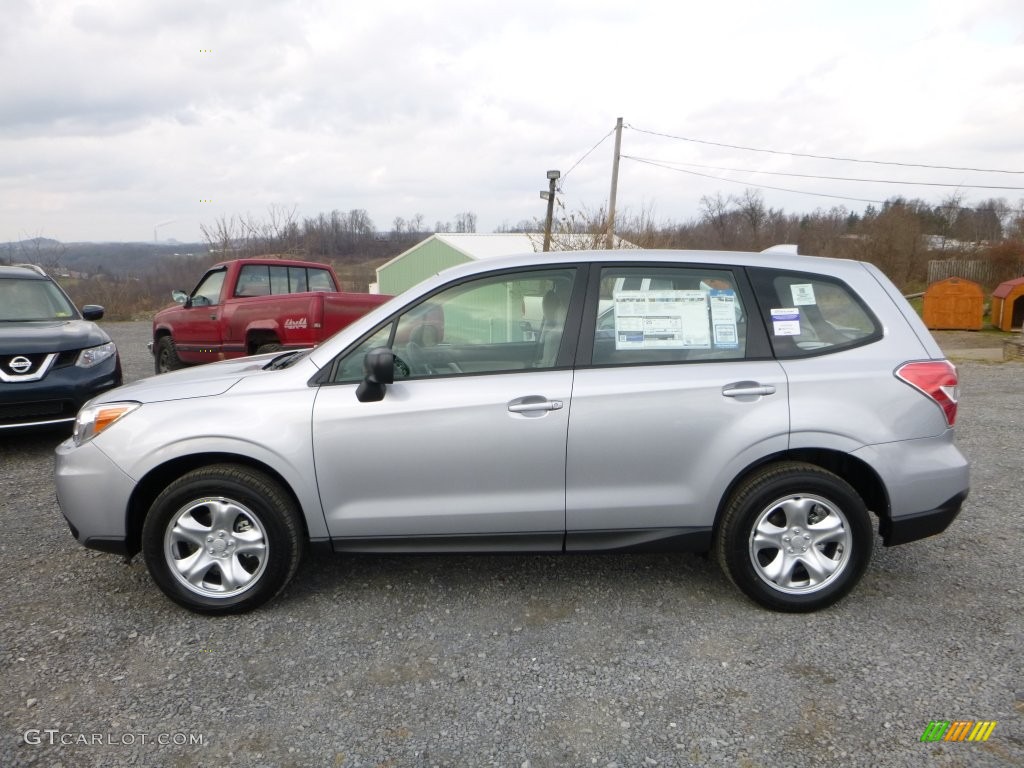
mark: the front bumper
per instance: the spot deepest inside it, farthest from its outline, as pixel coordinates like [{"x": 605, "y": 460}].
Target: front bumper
[
  {"x": 93, "y": 494},
  {"x": 57, "y": 397}
]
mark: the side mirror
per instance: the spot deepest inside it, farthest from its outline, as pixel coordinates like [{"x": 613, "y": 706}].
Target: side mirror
[
  {"x": 379, "y": 370},
  {"x": 92, "y": 312},
  {"x": 180, "y": 297}
]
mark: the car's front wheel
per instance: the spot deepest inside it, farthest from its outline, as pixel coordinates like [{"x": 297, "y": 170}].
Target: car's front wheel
[
  {"x": 794, "y": 537},
  {"x": 222, "y": 539}
]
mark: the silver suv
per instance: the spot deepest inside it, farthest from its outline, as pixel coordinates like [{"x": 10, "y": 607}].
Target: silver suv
[{"x": 761, "y": 406}]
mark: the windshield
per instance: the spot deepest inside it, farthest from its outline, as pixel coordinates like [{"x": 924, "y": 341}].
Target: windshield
[{"x": 25, "y": 300}]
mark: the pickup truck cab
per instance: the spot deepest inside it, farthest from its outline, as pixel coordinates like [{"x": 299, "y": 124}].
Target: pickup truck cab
[{"x": 250, "y": 306}]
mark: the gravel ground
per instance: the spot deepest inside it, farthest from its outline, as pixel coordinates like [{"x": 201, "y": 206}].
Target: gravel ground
[{"x": 635, "y": 660}]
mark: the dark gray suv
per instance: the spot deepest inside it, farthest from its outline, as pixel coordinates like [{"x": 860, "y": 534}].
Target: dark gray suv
[{"x": 53, "y": 358}]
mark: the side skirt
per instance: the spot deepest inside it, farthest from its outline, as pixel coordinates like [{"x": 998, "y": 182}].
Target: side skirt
[{"x": 637, "y": 540}]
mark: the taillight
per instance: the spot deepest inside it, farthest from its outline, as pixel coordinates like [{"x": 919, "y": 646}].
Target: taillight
[{"x": 937, "y": 379}]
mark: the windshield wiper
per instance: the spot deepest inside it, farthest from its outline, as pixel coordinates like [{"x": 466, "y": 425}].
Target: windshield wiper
[{"x": 286, "y": 360}]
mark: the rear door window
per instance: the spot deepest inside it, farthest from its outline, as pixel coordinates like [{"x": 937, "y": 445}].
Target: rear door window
[{"x": 667, "y": 314}]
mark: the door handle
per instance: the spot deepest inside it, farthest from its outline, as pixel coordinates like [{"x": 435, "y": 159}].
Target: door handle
[
  {"x": 539, "y": 405},
  {"x": 747, "y": 389}
]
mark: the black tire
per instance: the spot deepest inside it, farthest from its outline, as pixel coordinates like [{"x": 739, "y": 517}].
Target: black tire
[
  {"x": 247, "y": 521},
  {"x": 270, "y": 347},
  {"x": 815, "y": 537},
  {"x": 165, "y": 356}
]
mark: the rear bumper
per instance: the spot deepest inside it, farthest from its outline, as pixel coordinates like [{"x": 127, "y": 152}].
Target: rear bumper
[
  {"x": 926, "y": 481},
  {"x": 922, "y": 524}
]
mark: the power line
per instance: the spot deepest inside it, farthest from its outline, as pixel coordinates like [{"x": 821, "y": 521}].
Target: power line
[
  {"x": 943, "y": 206},
  {"x": 603, "y": 139},
  {"x": 820, "y": 157},
  {"x": 671, "y": 164},
  {"x": 761, "y": 186}
]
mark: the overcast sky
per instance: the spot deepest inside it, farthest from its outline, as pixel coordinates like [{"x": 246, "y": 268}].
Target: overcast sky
[{"x": 121, "y": 117}]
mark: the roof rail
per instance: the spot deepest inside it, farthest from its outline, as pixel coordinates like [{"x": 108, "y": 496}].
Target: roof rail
[
  {"x": 34, "y": 267},
  {"x": 790, "y": 248}
]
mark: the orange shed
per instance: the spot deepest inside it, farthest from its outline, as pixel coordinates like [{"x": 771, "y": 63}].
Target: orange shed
[
  {"x": 954, "y": 304},
  {"x": 1008, "y": 305}
]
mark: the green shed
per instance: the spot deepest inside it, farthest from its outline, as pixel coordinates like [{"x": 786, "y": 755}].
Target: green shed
[{"x": 444, "y": 249}]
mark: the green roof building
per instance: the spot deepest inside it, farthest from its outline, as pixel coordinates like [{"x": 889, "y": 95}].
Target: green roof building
[{"x": 443, "y": 250}]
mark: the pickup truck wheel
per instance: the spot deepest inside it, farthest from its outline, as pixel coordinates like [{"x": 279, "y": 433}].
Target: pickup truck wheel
[
  {"x": 794, "y": 537},
  {"x": 262, "y": 349},
  {"x": 222, "y": 539},
  {"x": 166, "y": 356}
]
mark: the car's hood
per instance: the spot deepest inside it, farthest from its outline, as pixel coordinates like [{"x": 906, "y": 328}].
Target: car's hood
[
  {"x": 166, "y": 312},
  {"x": 200, "y": 381},
  {"x": 49, "y": 336}
]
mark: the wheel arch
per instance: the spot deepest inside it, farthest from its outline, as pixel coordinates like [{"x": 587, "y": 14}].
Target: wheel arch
[
  {"x": 257, "y": 337},
  {"x": 860, "y": 476},
  {"x": 158, "y": 478}
]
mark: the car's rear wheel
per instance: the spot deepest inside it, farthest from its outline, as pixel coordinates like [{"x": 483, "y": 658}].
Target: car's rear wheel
[
  {"x": 166, "y": 356},
  {"x": 272, "y": 346},
  {"x": 795, "y": 537},
  {"x": 222, "y": 539}
]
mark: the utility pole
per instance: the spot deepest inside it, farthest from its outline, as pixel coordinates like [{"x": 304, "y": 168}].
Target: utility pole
[
  {"x": 549, "y": 195},
  {"x": 609, "y": 242}
]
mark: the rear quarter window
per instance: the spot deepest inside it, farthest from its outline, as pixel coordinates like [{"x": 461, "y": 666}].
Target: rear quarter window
[{"x": 808, "y": 314}]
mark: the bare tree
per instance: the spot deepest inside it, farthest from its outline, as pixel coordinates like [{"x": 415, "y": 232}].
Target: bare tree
[
  {"x": 715, "y": 212},
  {"x": 949, "y": 211},
  {"x": 222, "y": 235},
  {"x": 359, "y": 223},
  {"x": 751, "y": 209},
  {"x": 892, "y": 241},
  {"x": 465, "y": 222},
  {"x": 1015, "y": 222},
  {"x": 579, "y": 230}
]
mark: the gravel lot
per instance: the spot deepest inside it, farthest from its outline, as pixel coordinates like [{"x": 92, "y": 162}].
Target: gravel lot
[{"x": 511, "y": 660}]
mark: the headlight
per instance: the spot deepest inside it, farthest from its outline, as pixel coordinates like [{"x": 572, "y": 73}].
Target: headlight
[
  {"x": 87, "y": 358},
  {"x": 94, "y": 419}
]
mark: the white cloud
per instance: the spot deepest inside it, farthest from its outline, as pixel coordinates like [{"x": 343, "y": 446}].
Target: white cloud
[{"x": 118, "y": 117}]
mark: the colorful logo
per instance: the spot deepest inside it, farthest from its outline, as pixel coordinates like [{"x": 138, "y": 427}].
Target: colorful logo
[{"x": 958, "y": 730}]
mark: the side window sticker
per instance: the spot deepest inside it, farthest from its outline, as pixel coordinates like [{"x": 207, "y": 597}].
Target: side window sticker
[
  {"x": 786, "y": 321},
  {"x": 803, "y": 294},
  {"x": 723, "y": 318},
  {"x": 661, "y": 319}
]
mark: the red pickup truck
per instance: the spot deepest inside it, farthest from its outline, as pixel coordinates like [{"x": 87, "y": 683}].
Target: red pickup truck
[{"x": 250, "y": 306}]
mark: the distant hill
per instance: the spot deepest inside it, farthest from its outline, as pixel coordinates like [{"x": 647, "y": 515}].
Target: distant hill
[{"x": 136, "y": 259}]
